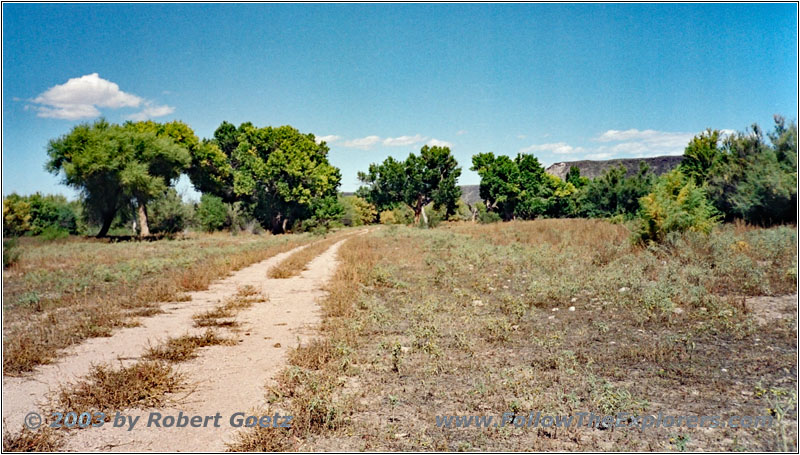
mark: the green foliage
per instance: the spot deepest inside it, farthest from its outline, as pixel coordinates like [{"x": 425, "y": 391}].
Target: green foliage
[
  {"x": 326, "y": 210},
  {"x": 276, "y": 173},
  {"x": 675, "y": 205},
  {"x": 521, "y": 188},
  {"x": 211, "y": 213},
  {"x": 429, "y": 177},
  {"x": 37, "y": 214},
  {"x": 574, "y": 177},
  {"x": 700, "y": 156},
  {"x": 11, "y": 252},
  {"x": 113, "y": 164},
  {"x": 484, "y": 216},
  {"x": 169, "y": 214},
  {"x": 754, "y": 180},
  {"x": 614, "y": 193},
  {"x": 357, "y": 211},
  {"x": 16, "y": 216},
  {"x": 401, "y": 214}
]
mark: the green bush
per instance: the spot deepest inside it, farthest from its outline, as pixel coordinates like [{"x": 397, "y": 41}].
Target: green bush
[
  {"x": 10, "y": 252},
  {"x": 211, "y": 213},
  {"x": 675, "y": 205},
  {"x": 169, "y": 214},
  {"x": 16, "y": 216},
  {"x": 484, "y": 216},
  {"x": 357, "y": 211}
]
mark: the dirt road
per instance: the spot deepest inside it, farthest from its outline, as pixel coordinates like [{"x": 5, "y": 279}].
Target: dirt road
[{"x": 223, "y": 379}]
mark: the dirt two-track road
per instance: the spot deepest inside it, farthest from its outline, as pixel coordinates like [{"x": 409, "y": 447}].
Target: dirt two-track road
[{"x": 223, "y": 379}]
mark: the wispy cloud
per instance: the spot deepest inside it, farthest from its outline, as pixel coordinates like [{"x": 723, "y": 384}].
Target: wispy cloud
[
  {"x": 330, "y": 139},
  {"x": 438, "y": 143},
  {"x": 558, "y": 148},
  {"x": 151, "y": 111},
  {"x": 81, "y": 97},
  {"x": 403, "y": 140},
  {"x": 648, "y": 141},
  {"x": 363, "y": 143},
  {"x": 461, "y": 132},
  {"x": 368, "y": 142},
  {"x": 632, "y": 143}
]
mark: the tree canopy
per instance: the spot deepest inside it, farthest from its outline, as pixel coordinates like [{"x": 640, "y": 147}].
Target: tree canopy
[
  {"x": 279, "y": 174},
  {"x": 430, "y": 177},
  {"x": 112, "y": 165}
]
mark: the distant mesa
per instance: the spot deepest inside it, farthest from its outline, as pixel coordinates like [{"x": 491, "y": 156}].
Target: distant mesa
[{"x": 591, "y": 169}]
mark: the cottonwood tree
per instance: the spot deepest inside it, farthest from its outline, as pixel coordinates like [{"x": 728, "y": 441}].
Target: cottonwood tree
[
  {"x": 113, "y": 164},
  {"x": 430, "y": 177},
  {"x": 277, "y": 173}
]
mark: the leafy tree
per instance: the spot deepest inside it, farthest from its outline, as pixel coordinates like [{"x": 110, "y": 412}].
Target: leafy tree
[
  {"x": 700, "y": 155},
  {"x": 520, "y": 188},
  {"x": 276, "y": 173},
  {"x": 211, "y": 213},
  {"x": 112, "y": 164},
  {"x": 357, "y": 211},
  {"x": 430, "y": 177},
  {"x": 574, "y": 177},
  {"x": 385, "y": 182},
  {"x": 675, "y": 205},
  {"x": 614, "y": 194},
  {"x": 169, "y": 214},
  {"x": 499, "y": 186},
  {"x": 755, "y": 180},
  {"x": 16, "y": 216}
]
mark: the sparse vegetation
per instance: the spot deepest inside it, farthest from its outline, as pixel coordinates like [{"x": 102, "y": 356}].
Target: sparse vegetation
[
  {"x": 561, "y": 316},
  {"x": 143, "y": 384},
  {"x": 59, "y": 294}
]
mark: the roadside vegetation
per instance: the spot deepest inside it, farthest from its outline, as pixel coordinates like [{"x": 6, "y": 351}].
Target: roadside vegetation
[
  {"x": 558, "y": 316},
  {"x": 60, "y": 293}
]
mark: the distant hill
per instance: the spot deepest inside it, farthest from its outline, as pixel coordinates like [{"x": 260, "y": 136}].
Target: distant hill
[{"x": 591, "y": 169}]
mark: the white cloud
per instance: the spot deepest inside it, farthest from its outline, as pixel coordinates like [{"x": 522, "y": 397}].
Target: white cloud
[
  {"x": 73, "y": 112},
  {"x": 461, "y": 132},
  {"x": 363, "y": 143},
  {"x": 80, "y": 97},
  {"x": 151, "y": 111},
  {"x": 403, "y": 140},
  {"x": 558, "y": 148},
  {"x": 437, "y": 143},
  {"x": 646, "y": 143},
  {"x": 598, "y": 156},
  {"x": 331, "y": 138}
]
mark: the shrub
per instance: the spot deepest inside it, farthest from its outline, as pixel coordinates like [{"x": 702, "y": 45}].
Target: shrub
[
  {"x": 675, "y": 205},
  {"x": 169, "y": 214},
  {"x": 484, "y": 216},
  {"x": 357, "y": 211},
  {"x": 211, "y": 213},
  {"x": 16, "y": 216},
  {"x": 10, "y": 252}
]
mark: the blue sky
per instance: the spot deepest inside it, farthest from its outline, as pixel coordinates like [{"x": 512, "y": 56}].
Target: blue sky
[{"x": 561, "y": 81}]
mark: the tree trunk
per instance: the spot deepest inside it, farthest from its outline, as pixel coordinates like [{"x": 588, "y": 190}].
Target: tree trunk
[
  {"x": 107, "y": 220},
  {"x": 144, "y": 230},
  {"x": 424, "y": 216}
]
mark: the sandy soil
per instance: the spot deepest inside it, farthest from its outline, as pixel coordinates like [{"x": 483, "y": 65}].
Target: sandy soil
[{"x": 223, "y": 379}]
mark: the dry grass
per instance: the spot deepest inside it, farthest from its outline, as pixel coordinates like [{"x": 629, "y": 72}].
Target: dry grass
[
  {"x": 222, "y": 316},
  {"x": 59, "y": 294},
  {"x": 309, "y": 389},
  {"x": 463, "y": 323},
  {"x": 43, "y": 440},
  {"x": 297, "y": 262},
  {"x": 144, "y": 384},
  {"x": 185, "y": 347}
]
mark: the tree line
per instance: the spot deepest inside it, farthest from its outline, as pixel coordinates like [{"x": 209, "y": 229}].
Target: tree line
[{"x": 280, "y": 179}]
